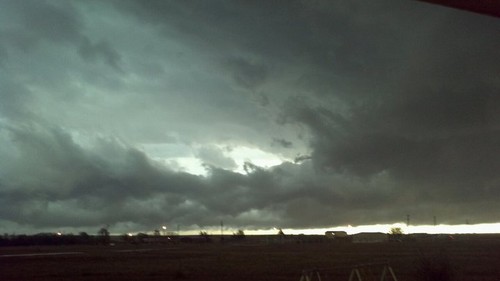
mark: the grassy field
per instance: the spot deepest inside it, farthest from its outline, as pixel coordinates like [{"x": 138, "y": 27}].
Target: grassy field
[{"x": 434, "y": 260}]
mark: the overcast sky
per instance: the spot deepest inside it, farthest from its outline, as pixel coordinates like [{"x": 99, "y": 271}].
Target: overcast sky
[{"x": 292, "y": 114}]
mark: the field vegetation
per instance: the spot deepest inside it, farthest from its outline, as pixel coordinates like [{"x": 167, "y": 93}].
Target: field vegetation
[{"x": 464, "y": 259}]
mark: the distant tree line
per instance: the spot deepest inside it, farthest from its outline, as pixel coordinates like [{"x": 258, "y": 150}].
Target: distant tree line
[
  {"x": 103, "y": 237},
  {"x": 48, "y": 239}
]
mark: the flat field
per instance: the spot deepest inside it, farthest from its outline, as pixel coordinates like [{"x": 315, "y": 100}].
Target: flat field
[{"x": 432, "y": 260}]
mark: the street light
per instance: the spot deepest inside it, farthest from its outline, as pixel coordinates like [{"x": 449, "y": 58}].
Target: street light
[{"x": 164, "y": 227}]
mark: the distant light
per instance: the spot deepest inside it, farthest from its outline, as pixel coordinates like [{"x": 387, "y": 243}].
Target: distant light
[
  {"x": 59, "y": 233},
  {"x": 164, "y": 227},
  {"x": 129, "y": 234}
]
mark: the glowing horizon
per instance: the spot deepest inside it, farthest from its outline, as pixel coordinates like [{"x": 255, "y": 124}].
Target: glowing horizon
[{"x": 481, "y": 228}]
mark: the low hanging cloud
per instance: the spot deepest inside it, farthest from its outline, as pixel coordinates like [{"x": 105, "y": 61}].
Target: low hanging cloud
[{"x": 50, "y": 180}]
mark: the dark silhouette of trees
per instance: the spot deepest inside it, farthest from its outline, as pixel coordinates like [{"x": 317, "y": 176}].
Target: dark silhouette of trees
[
  {"x": 46, "y": 239},
  {"x": 396, "y": 234},
  {"x": 205, "y": 236},
  {"x": 103, "y": 235},
  {"x": 239, "y": 235},
  {"x": 141, "y": 237},
  {"x": 396, "y": 231}
]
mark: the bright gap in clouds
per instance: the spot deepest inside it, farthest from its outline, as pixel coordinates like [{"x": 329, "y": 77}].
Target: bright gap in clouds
[
  {"x": 485, "y": 228},
  {"x": 255, "y": 156},
  {"x": 183, "y": 158}
]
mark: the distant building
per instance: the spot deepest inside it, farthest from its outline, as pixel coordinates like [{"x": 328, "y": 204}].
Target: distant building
[
  {"x": 339, "y": 236},
  {"x": 336, "y": 234},
  {"x": 370, "y": 237}
]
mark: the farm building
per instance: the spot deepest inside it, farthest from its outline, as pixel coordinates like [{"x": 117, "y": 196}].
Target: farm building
[
  {"x": 338, "y": 235},
  {"x": 370, "y": 237}
]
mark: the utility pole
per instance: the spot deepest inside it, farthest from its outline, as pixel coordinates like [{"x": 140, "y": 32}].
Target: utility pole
[
  {"x": 435, "y": 221},
  {"x": 407, "y": 220}
]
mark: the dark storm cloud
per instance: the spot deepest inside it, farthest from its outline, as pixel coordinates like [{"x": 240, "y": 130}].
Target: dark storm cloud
[
  {"x": 283, "y": 143},
  {"x": 397, "y": 104},
  {"x": 44, "y": 20},
  {"x": 58, "y": 22},
  {"x": 433, "y": 127},
  {"x": 102, "y": 49},
  {"x": 247, "y": 74},
  {"x": 3, "y": 54},
  {"x": 49, "y": 180},
  {"x": 48, "y": 169},
  {"x": 14, "y": 99}
]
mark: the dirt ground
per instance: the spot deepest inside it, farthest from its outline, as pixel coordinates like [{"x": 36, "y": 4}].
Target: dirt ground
[{"x": 435, "y": 260}]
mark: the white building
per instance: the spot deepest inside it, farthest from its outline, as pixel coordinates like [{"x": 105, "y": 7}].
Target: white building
[{"x": 336, "y": 234}]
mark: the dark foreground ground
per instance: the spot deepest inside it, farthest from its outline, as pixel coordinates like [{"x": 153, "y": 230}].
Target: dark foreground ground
[{"x": 432, "y": 260}]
